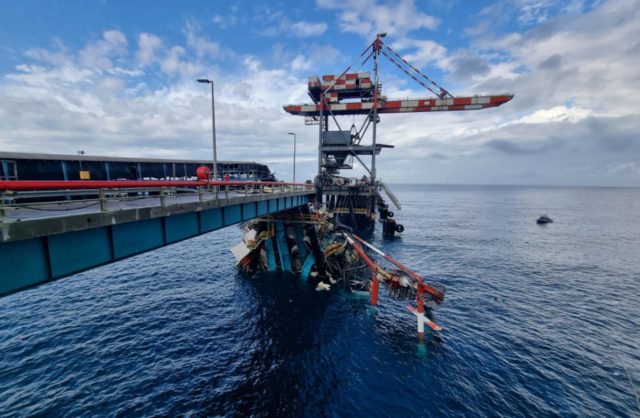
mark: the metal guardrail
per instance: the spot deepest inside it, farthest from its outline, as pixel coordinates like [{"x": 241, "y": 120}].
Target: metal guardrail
[{"x": 36, "y": 199}]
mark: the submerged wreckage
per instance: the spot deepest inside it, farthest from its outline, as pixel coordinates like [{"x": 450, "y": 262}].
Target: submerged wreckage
[
  {"x": 314, "y": 245},
  {"x": 317, "y": 242}
]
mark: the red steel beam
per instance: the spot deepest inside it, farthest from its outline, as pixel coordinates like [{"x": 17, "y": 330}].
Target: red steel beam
[{"x": 422, "y": 286}]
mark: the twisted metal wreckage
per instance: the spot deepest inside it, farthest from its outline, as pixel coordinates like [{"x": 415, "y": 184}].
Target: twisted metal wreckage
[{"x": 311, "y": 243}]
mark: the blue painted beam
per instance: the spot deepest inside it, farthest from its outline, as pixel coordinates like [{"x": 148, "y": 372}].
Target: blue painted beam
[
  {"x": 182, "y": 226},
  {"x": 41, "y": 259},
  {"x": 306, "y": 267},
  {"x": 210, "y": 220},
  {"x": 263, "y": 208},
  {"x": 79, "y": 250},
  {"x": 302, "y": 248},
  {"x": 283, "y": 248},
  {"x": 271, "y": 255},
  {"x": 24, "y": 264},
  {"x": 232, "y": 214},
  {"x": 249, "y": 211},
  {"x": 136, "y": 237}
]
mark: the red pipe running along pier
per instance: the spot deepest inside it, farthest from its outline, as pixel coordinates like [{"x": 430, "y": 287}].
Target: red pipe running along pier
[
  {"x": 421, "y": 287},
  {"x": 52, "y": 229},
  {"x": 23, "y": 185}
]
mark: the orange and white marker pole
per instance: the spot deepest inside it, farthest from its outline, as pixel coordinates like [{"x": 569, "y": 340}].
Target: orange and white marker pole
[
  {"x": 420, "y": 315},
  {"x": 374, "y": 288}
]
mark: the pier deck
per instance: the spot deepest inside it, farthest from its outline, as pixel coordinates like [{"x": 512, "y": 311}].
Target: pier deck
[{"x": 47, "y": 238}]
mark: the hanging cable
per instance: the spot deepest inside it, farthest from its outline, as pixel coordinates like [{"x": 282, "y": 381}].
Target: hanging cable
[
  {"x": 443, "y": 91},
  {"x": 409, "y": 74},
  {"x": 347, "y": 70}
]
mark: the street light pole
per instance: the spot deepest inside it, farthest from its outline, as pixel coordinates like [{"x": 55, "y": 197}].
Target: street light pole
[
  {"x": 294, "y": 155},
  {"x": 80, "y": 158},
  {"x": 376, "y": 51},
  {"x": 213, "y": 127}
]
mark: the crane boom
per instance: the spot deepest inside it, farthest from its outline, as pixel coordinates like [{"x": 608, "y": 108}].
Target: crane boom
[
  {"x": 356, "y": 93},
  {"x": 352, "y": 93},
  {"x": 402, "y": 106}
]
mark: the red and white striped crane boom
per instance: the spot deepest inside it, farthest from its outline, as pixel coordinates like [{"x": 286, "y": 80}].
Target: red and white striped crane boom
[
  {"x": 403, "y": 105},
  {"x": 356, "y": 94}
]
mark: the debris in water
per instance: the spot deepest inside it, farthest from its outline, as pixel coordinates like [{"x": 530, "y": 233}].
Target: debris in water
[
  {"x": 311, "y": 244},
  {"x": 544, "y": 219},
  {"x": 323, "y": 286}
]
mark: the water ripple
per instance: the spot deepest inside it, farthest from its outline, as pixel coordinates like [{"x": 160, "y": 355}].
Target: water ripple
[{"x": 539, "y": 321}]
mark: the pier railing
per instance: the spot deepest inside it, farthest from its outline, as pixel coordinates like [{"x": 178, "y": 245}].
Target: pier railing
[{"x": 26, "y": 199}]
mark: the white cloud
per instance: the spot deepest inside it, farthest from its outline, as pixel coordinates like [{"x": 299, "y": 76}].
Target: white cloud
[
  {"x": 573, "y": 120},
  {"x": 316, "y": 56},
  {"x": 57, "y": 102},
  {"x": 534, "y": 11},
  {"x": 224, "y": 22},
  {"x": 65, "y": 74},
  {"x": 367, "y": 17},
  {"x": 579, "y": 59},
  {"x": 307, "y": 59},
  {"x": 233, "y": 17},
  {"x": 278, "y": 24},
  {"x": 304, "y": 29},
  {"x": 174, "y": 64},
  {"x": 110, "y": 86},
  {"x": 115, "y": 39},
  {"x": 425, "y": 51},
  {"x": 300, "y": 63},
  {"x": 57, "y": 57},
  {"x": 200, "y": 44},
  {"x": 100, "y": 54},
  {"x": 557, "y": 114},
  {"x": 148, "y": 46}
]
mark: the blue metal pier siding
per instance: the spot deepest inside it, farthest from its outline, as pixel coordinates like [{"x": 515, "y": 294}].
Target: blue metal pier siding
[{"x": 39, "y": 250}]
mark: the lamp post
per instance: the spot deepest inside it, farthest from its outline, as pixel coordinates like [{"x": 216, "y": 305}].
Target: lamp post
[
  {"x": 213, "y": 128},
  {"x": 294, "y": 155},
  {"x": 80, "y": 153},
  {"x": 376, "y": 51}
]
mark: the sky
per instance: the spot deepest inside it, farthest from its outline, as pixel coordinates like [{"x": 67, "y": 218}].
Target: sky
[{"x": 118, "y": 78}]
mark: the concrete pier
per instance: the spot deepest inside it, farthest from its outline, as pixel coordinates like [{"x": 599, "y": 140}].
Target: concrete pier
[{"x": 60, "y": 239}]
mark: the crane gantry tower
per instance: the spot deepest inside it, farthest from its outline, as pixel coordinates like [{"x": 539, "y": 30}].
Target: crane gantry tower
[{"x": 356, "y": 93}]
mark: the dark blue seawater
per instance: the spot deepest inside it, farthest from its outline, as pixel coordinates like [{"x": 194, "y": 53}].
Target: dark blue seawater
[{"x": 539, "y": 321}]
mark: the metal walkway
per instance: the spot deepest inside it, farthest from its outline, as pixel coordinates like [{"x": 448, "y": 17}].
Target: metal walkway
[{"x": 49, "y": 230}]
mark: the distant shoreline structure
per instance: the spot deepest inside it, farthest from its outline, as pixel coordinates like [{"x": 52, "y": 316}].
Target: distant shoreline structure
[{"x": 40, "y": 166}]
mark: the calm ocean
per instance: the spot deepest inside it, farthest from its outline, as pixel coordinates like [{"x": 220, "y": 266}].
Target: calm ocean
[{"x": 539, "y": 321}]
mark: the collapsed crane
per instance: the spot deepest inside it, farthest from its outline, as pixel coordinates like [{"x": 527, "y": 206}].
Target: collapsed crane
[
  {"x": 355, "y": 93},
  {"x": 319, "y": 241},
  {"x": 309, "y": 243}
]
